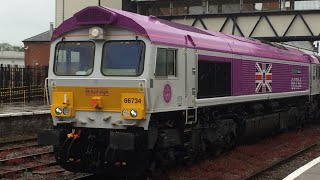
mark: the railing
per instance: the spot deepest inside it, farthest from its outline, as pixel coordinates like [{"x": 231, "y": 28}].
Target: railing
[
  {"x": 22, "y": 84},
  {"x": 192, "y": 7}
]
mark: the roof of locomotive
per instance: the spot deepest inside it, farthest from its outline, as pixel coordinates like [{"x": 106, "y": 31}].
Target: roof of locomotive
[{"x": 165, "y": 32}]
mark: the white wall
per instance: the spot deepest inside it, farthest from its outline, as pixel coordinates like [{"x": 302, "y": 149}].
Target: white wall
[
  {"x": 66, "y": 8},
  {"x": 12, "y": 58},
  {"x": 12, "y": 62}
]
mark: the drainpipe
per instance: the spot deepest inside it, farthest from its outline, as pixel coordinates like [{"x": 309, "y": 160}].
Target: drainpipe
[
  {"x": 318, "y": 48},
  {"x": 62, "y": 10},
  {"x": 51, "y": 29},
  {"x": 2, "y": 56}
]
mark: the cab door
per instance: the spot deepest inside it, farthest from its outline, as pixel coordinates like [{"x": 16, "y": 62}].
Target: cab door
[
  {"x": 191, "y": 62},
  {"x": 314, "y": 79},
  {"x": 167, "y": 91}
]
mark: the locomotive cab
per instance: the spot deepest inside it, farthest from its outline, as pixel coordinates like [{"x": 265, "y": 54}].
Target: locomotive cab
[{"x": 98, "y": 81}]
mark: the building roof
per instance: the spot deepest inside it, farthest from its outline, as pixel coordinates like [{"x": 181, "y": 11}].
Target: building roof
[
  {"x": 170, "y": 33},
  {"x": 11, "y": 55},
  {"x": 43, "y": 37}
]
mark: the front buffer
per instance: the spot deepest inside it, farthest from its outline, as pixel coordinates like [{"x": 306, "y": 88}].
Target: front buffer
[{"x": 99, "y": 151}]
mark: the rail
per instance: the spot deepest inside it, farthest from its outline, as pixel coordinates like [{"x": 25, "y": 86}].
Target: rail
[{"x": 281, "y": 161}]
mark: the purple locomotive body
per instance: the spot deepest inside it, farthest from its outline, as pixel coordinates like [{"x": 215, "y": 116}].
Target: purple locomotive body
[
  {"x": 159, "y": 92},
  {"x": 276, "y": 77}
]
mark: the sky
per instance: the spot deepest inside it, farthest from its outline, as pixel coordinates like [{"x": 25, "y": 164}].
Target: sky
[{"x": 22, "y": 19}]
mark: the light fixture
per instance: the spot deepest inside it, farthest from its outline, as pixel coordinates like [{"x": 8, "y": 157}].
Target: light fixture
[
  {"x": 66, "y": 111},
  {"x": 133, "y": 113},
  {"x": 95, "y": 32},
  {"x": 58, "y": 111},
  {"x": 125, "y": 113}
]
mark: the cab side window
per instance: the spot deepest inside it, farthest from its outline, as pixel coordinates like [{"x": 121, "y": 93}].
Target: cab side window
[{"x": 165, "y": 62}]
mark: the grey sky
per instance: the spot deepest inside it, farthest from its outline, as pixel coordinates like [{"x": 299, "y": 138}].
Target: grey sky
[{"x": 21, "y": 19}]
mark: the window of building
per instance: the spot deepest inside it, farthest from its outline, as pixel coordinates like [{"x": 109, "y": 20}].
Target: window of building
[
  {"x": 271, "y": 5},
  {"x": 230, "y": 6},
  {"x": 158, "y": 8},
  {"x": 165, "y": 62},
  {"x": 188, "y": 7},
  {"x": 214, "y": 6},
  {"x": 305, "y": 5},
  {"x": 248, "y": 6}
]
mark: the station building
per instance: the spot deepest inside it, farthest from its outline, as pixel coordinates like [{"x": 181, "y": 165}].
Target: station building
[
  {"x": 37, "y": 48},
  {"x": 12, "y": 58},
  {"x": 189, "y": 7},
  {"x": 66, "y": 8}
]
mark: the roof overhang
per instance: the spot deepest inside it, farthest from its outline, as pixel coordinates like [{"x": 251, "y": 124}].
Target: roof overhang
[{"x": 97, "y": 16}]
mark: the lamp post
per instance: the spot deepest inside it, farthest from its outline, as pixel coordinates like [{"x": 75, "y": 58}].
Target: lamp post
[
  {"x": 1, "y": 49},
  {"x": 318, "y": 48}
]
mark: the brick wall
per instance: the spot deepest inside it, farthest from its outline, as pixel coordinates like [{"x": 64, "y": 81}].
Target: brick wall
[{"x": 37, "y": 53}]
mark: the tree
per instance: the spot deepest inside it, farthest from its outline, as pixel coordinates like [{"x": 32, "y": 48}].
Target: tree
[{"x": 9, "y": 47}]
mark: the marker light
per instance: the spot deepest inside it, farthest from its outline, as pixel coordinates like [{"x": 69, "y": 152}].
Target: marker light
[
  {"x": 125, "y": 113},
  {"x": 58, "y": 111},
  {"x": 134, "y": 113},
  {"x": 66, "y": 111},
  {"x": 95, "y": 32}
]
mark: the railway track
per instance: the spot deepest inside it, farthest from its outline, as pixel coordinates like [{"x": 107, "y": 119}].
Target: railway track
[
  {"x": 245, "y": 159},
  {"x": 279, "y": 162},
  {"x": 84, "y": 177},
  {"x": 27, "y": 160},
  {"x": 41, "y": 161},
  {"x": 17, "y": 144},
  {"x": 24, "y": 158},
  {"x": 250, "y": 161}
]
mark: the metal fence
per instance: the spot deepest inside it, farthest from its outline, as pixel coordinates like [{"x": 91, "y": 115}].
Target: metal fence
[{"x": 22, "y": 84}]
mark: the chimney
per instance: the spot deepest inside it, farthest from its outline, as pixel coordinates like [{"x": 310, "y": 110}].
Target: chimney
[{"x": 51, "y": 29}]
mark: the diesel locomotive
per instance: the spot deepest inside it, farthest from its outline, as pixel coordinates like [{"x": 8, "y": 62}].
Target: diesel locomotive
[{"x": 131, "y": 93}]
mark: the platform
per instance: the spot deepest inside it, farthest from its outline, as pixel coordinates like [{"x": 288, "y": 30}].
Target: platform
[
  {"x": 23, "y": 109},
  {"x": 310, "y": 171},
  {"x": 20, "y": 121}
]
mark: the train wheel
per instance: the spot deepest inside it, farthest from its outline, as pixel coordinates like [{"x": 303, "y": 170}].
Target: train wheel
[
  {"x": 293, "y": 117},
  {"x": 67, "y": 161},
  {"x": 156, "y": 166},
  {"x": 230, "y": 141}
]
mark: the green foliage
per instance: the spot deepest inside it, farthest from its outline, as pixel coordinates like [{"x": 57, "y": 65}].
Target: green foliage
[{"x": 9, "y": 47}]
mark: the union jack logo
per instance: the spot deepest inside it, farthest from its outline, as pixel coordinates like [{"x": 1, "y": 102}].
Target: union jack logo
[{"x": 263, "y": 77}]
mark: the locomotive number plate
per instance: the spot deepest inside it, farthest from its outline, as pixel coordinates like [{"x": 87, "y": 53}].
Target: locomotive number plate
[{"x": 132, "y": 99}]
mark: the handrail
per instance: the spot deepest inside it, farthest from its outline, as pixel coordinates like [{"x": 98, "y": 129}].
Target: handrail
[{"x": 46, "y": 91}]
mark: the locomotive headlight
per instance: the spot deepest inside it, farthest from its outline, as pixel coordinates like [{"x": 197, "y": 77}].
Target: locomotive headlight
[
  {"x": 58, "y": 111},
  {"x": 133, "y": 113},
  {"x": 95, "y": 32},
  {"x": 66, "y": 111},
  {"x": 125, "y": 113}
]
